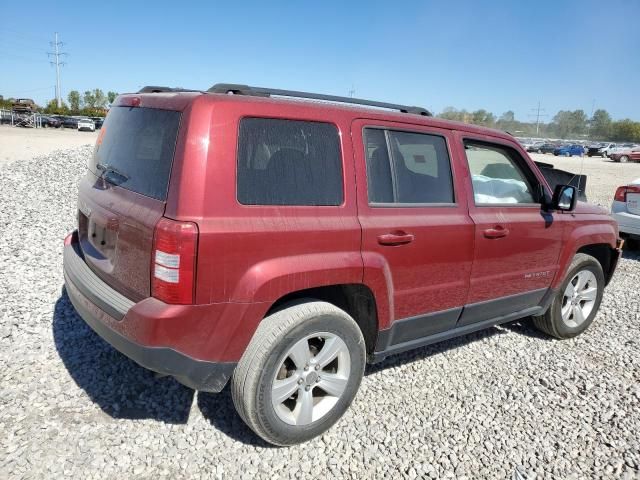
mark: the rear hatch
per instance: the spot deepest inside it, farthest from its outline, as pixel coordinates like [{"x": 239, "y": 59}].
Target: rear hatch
[
  {"x": 633, "y": 201},
  {"x": 123, "y": 195}
]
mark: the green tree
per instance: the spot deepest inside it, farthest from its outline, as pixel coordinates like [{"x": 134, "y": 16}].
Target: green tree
[
  {"x": 89, "y": 99},
  {"x": 111, "y": 96},
  {"x": 569, "y": 124},
  {"x": 482, "y": 117},
  {"x": 625, "y": 130},
  {"x": 100, "y": 98},
  {"x": 52, "y": 108},
  {"x": 74, "y": 100},
  {"x": 600, "y": 125},
  {"x": 451, "y": 113}
]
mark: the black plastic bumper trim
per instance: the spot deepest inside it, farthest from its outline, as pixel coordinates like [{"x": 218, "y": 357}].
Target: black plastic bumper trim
[{"x": 110, "y": 301}]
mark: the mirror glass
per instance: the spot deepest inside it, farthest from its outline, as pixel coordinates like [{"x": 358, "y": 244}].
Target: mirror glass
[{"x": 565, "y": 200}]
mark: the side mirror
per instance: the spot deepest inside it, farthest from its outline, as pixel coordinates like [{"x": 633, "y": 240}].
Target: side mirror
[{"x": 564, "y": 198}]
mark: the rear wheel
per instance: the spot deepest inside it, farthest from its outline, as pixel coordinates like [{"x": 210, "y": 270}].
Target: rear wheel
[
  {"x": 539, "y": 151},
  {"x": 300, "y": 372},
  {"x": 576, "y": 302}
]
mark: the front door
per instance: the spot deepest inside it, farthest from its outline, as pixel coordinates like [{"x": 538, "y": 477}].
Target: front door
[
  {"x": 417, "y": 237},
  {"x": 517, "y": 243}
]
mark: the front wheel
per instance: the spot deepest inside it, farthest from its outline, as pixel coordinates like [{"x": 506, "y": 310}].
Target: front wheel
[
  {"x": 567, "y": 154},
  {"x": 299, "y": 373},
  {"x": 576, "y": 302},
  {"x": 624, "y": 159}
]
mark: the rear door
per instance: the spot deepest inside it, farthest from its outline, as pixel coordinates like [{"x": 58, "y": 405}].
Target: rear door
[
  {"x": 123, "y": 195},
  {"x": 415, "y": 224},
  {"x": 517, "y": 244}
]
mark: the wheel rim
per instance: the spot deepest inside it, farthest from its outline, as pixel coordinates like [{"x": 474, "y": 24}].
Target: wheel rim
[
  {"x": 623, "y": 159},
  {"x": 579, "y": 298},
  {"x": 311, "y": 377}
]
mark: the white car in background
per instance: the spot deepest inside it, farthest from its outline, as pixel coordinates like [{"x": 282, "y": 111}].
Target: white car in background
[
  {"x": 626, "y": 211},
  {"x": 86, "y": 124}
]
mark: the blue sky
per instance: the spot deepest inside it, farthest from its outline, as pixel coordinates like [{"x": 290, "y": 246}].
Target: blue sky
[{"x": 497, "y": 55}]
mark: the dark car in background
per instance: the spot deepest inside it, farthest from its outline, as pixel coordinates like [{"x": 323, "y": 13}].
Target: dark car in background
[
  {"x": 50, "y": 122},
  {"x": 69, "y": 122},
  {"x": 542, "y": 148},
  {"x": 98, "y": 121}
]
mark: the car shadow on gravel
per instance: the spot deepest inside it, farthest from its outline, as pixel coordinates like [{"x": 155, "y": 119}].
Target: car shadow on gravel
[
  {"x": 119, "y": 386},
  {"x": 423, "y": 353},
  {"x": 218, "y": 410}
]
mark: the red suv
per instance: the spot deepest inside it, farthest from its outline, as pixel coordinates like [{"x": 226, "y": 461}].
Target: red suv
[{"x": 282, "y": 244}]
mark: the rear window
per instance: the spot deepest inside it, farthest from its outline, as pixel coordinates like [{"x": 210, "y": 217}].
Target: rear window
[
  {"x": 288, "y": 162},
  {"x": 137, "y": 146}
]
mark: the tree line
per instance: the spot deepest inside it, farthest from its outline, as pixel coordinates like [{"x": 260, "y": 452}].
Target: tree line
[
  {"x": 566, "y": 124},
  {"x": 92, "y": 103}
]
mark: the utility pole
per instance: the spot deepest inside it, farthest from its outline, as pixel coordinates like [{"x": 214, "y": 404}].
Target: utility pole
[
  {"x": 56, "y": 54},
  {"x": 539, "y": 112},
  {"x": 352, "y": 91}
]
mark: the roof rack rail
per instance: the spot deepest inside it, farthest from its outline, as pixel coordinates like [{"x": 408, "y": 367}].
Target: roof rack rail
[
  {"x": 237, "y": 89},
  {"x": 156, "y": 89}
]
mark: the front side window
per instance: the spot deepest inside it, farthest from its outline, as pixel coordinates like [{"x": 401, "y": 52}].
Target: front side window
[
  {"x": 407, "y": 167},
  {"x": 496, "y": 175},
  {"x": 289, "y": 162}
]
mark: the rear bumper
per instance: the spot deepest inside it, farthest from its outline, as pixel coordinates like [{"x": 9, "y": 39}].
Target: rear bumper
[
  {"x": 628, "y": 223},
  {"x": 108, "y": 313}
]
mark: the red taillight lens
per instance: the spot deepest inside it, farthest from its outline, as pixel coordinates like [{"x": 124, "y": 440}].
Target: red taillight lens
[
  {"x": 173, "y": 266},
  {"x": 621, "y": 192}
]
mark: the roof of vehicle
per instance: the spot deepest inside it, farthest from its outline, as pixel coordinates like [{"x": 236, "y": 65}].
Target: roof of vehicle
[{"x": 180, "y": 99}]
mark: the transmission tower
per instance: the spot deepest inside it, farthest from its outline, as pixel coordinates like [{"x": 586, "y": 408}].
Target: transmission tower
[
  {"x": 537, "y": 113},
  {"x": 56, "y": 54}
]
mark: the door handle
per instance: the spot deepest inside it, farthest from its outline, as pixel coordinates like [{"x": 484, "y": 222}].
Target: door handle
[
  {"x": 395, "y": 238},
  {"x": 497, "y": 232}
]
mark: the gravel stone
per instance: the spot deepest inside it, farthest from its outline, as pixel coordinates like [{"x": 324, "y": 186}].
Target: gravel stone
[{"x": 504, "y": 403}]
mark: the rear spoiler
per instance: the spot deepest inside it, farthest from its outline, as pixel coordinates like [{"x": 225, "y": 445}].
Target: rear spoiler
[{"x": 555, "y": 177}]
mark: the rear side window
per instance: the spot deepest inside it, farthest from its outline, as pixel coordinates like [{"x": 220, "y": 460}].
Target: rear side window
[
  {"x": 407, "y": 167},
  {"x": 135, "y": 149},
  {"x": 289, "y": 162}
]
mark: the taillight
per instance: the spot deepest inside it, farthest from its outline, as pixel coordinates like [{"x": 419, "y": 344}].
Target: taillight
[
  {"x": 621, "y": 192},
  {"x": 173, "y": 266}
]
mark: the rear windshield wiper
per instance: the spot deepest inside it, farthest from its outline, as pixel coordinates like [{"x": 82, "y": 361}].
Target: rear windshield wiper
[{"x": 111, "y": 174}]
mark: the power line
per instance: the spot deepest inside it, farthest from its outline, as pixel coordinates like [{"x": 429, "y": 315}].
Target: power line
[
  {"x": 56, "y": 54},
  {"x": 538, "y": 112}
]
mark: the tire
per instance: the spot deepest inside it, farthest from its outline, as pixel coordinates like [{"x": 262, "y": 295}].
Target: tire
[
  {"x": 539, "y": 151},
  {"x": 270, "y": 355},
  {"x": 624, "y": 159},
  {"x": 552, "y": 321},
  {"x": 567, "y": 154}
]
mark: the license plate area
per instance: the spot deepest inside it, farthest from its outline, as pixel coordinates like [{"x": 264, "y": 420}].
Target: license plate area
[{"x": 633, "y": 203}]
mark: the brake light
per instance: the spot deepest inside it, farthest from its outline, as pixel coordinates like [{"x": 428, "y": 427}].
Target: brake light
[
  {"x": 621, "y": 192},
  {"x": 173, "y": 266}
]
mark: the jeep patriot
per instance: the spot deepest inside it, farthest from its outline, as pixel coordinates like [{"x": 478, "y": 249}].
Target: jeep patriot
[{"x": 281, "y": 243}]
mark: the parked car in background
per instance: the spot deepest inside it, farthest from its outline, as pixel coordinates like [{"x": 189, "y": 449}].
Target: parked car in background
[
  {"x": 98, "y": 121},
  {"x": 86, "y": 124},
  {"x": 621, "y": 148},
  {"x": 600, "y": 150},
  {"x": 569, "y": 150},
  {"x": 24, "y": 105},
  {"x": 627, "y": 155},
  {"x": 309, "y": 238},
  {"x": 69, "y": 122},
  {"x": 542, "y": 148},
  {"x": 50, "y": 122},
  {"x": 626, "y": 211}
]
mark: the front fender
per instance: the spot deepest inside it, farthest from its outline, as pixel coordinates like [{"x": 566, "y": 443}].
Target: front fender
[{"x": 587, "y": 233}]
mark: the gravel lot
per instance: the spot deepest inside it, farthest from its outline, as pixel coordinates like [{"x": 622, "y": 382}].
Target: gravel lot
[{"x": 482, "y": 406}]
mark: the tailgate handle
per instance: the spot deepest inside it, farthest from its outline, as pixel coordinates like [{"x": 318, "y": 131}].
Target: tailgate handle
[
  {"x": 395, "y": 238},
  {"x": 496, "y": 232}
]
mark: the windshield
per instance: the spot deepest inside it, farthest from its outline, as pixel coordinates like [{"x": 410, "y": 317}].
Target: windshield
[{"x": 138, "y": 144}]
